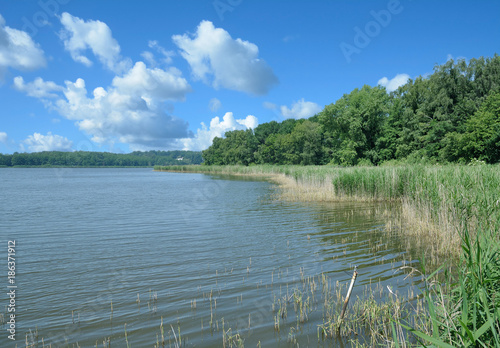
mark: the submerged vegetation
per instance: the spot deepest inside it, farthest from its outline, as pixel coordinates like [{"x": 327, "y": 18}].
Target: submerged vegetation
[
  {"x": 365, "y": 325},
  {"x": 450, "y": 211},
  {"x": 453, "y": 211}
]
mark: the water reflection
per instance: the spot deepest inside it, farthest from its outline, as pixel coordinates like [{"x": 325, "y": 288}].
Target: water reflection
[
  {"x": 202, "y": 254},
  {"x": 355, "y": 233}
]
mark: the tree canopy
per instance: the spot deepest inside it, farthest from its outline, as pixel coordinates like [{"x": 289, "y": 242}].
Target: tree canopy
[
  {"x": 100, "y": 159},
  {"x": 453, "y": 115}
]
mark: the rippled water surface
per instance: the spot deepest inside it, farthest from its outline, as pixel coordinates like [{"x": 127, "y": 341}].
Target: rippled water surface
[{"x": 101, "y": 248}]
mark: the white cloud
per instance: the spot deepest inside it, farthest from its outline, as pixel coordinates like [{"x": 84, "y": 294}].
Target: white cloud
[
  {"x": 130, "y": 111},
  {"x": 269, "y": 105},
  {"x": 150, "y": 57},
  {"x": 217, "y": 128},
  {"x": 18, "y": 50},
  {"x": 214, "y": 104},
  {"x": 300, "y": 109},
  {"x": 167, "y": 55},
  {"x": 39, "y": 142},
  {"x": 79, "y": 35},
  {"x": 250, "y": 122},
  {"x": 234, "y": 64},
  {"x": 38, "y": 88},
  {"x": 153, "y": 83},
  {"x": 394, "y": 83},
  {"x": 122, "y": 114},
  {"x": 3, "y": 137}
]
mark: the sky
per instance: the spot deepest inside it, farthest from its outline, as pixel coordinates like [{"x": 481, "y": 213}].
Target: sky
[{"x": 122, "y": 76}]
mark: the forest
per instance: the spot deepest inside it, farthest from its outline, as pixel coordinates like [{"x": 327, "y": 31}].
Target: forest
[
  {"x": 450, "y": 116},
  {"x": 100, "y": 159}
]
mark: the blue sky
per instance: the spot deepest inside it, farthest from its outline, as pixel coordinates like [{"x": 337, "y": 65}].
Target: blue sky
[{"x": 121, "y": 76}]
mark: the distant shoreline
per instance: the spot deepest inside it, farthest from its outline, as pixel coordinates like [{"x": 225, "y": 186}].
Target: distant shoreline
[{"x": 74, "y": 167}]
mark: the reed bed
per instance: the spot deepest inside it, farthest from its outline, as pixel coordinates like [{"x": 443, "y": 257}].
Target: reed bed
[
  {"x": 451, "y": 212},
  {"x": 366, "y": 323},
  {"x": 436, "y": 202}
]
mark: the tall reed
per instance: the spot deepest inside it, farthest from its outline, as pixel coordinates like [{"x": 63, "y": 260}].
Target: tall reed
[
  {"x": 437, "y": 202},
  {"x": 468, "y": 313}
]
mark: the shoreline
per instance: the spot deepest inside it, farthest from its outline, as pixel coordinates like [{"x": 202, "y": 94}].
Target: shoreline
[{"x": 437, "y": 202}]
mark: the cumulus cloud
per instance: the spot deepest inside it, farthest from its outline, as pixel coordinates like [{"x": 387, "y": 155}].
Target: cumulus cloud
[
  {"x": 18, "y": 50},
  {"x": 121, "y": 114},
  {"x": 394, "y": 83},
  {"x": 39, "y": 142},
  {"x": 3, "y": 137},
  {"x": 153, "y": 83},
  {"x": 217, "y": 128},
  {"x": 214, "y": 104},
  {"x": 232, "y": 64},
  {"x": 38, "y": 88},
  {"x": 79, "y": 35},
  {"x": 131, "y": 110},
  {"x": 300, "y": 109}
]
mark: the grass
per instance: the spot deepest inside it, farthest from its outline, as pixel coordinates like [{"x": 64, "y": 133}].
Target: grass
[
  {"x": 456, "y": 319},
  {"x": 436, "y": 202},
  {"x": 467, "y": 314},
  {"x": 453, "y": 211}
]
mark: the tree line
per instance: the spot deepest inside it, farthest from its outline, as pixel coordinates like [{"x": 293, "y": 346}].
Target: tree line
[
  {"x": 453, "y": 115},
  {"x": 101, "y": 159}
]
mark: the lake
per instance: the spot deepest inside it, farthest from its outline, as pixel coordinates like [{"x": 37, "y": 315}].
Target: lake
[{"x": 100, "y": 248}]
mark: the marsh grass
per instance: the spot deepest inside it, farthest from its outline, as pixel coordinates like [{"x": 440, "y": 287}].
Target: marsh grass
[
  {"x": 456, "y": 209},
  {"x": 316, "y": 296},
  {"x": 467, "y": 314},
  {"x": 450, "y": 213},
  {"x": 435, "y": 203}
]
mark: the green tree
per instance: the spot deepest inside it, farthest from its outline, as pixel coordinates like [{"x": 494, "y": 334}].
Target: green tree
[
  {"x": 482, "y": 137},
  {"x": 237, "y": 147},
  {"x": 354, "y": 124},
  {"x": 5, "y": 160},
  {"x": 306, "y": 143},
  {"x": 264, "y": 130}
]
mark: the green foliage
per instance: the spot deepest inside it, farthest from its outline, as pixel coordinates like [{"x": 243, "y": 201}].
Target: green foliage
[
  {"x": 238, "y": 147},
  {"x": 461, "y": 314},
  {"x": 354, "y": 123},
  {"x": 289, "y": 142},
  {"x": 100, "y": 159},
  {"x": 481, "y": 139},
  {"x": 469, "y": 315},
  {"x": 450, "y": 116}
]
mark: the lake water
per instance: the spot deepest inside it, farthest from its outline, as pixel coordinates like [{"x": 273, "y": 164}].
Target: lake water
[{"x": 100, "y": 248}]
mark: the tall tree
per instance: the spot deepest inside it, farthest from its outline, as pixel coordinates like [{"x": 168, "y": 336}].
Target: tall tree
[
  {"x": 482, "y": 137},
  {"x": 354, "y": 124}
]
